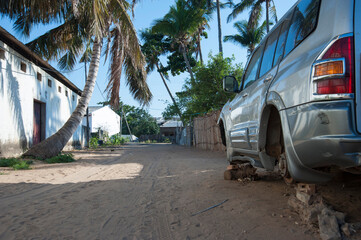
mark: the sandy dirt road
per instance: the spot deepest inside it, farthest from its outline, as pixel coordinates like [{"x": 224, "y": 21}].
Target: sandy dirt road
[{"x": 143, "y": 192}]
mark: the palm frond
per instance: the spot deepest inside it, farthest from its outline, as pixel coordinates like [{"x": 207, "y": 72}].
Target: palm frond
[
  {"x": 27, "y": 13},
  {"x": 273, "y": 11},
  {"x": 51, "y": 44},
  {"x": 238, "y": 8},
  {"x": 255, "y": 14},
  {"x": 115, "y": 72}
]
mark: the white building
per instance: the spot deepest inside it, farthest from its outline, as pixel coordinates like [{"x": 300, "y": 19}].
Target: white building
[
  {"x": 103, "y": 118},
  {"x": 35, "y": 99}
]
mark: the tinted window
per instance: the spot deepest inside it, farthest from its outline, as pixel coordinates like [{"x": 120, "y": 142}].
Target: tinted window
[
  {"x": 303, "y": 23},
  {"x": 252, "y": 69},
  {"x": 269, "y": 51},
  {"x": 281, "y": 41}
]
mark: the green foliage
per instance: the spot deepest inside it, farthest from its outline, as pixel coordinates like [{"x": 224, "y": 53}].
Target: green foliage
[
  {"x": 247, "y": 37},
  {"x": 205, "y": 93},
  {"x": 117, "y": 140},
  {"x": 61, "y": 158},
  {"x": 140, "y": 123},
  {"x": 8, "y": 162},
  {"x": 93, "y": 142},
  {"x": 166, "y": 140},
  {"x": 15, "y": 163},
  {"x": 21, "y": 165}
]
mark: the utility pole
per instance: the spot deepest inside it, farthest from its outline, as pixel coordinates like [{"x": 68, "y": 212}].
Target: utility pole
[
  {"x": 87, "y": 115},
  {"x": 130, "y": 133},
  {"x": 121, "y": 119}
]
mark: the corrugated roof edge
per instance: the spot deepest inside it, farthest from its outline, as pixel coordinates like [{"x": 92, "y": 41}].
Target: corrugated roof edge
[{"x": 18, "y": 46}]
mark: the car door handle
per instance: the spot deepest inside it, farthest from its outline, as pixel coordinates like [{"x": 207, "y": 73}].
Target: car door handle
[
  {"x": 268, "y": 78},
  {"x": 245, "y": 95}
]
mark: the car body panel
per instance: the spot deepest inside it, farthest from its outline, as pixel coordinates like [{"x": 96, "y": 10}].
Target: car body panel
[
  {"x": 357, "y": 35},
  {"x": 318, "y": 131}
]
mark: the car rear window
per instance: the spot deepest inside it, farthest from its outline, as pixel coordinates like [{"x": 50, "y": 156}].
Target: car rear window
[
  {"x": 282, "y": 40},
  {"x": 303, "y": 23},
  {"x": 269, "y": 52}
]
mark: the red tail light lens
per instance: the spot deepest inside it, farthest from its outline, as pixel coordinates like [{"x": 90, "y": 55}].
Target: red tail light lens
[{"x": 342, "y": 48}]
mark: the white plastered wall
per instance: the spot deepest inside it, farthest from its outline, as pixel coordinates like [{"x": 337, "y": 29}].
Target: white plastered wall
[
  {"x": 18, "y": 91},
  {"x": 105, "y": 119}
]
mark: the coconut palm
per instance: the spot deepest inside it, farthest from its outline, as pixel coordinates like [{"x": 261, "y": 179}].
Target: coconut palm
[
  {"x": 181, "y": 24},
  {"x": 153, "y": 47},
  {"x": 256, "y": 11},
  {"x": 83, "y": 23},
  {"x": 247, "y": 37},
  {"x": 211, "y": 6}
]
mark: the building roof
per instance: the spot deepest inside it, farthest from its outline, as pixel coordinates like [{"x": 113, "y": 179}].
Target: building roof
[
  {"x": 19, "y": 47},
  {"x": 172, "y": 124}
]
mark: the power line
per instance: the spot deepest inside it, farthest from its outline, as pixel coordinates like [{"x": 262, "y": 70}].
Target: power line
[{"x": 100, "y": 91}]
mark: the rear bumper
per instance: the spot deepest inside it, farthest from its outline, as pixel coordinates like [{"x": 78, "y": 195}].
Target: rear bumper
[{"x": 322, "y": 134}]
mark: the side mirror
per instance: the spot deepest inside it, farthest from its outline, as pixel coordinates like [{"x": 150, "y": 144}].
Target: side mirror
[{"x": 230, "y": 84}]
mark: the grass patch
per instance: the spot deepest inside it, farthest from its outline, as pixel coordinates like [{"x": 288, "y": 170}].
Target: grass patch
[
  {"x": 15, "y": 163},
  {"x": 61, "y": 158}
]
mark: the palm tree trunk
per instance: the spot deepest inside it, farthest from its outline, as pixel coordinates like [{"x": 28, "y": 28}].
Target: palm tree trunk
[
  {"x": 183, "y": 49},
  {"x": 199, "y": 48},
  {"x": 170, "y": 94},
  {"x": 219, "y": 28},
  {"x": 55, "y": 143},
  {"x": 267, "y": 14}
]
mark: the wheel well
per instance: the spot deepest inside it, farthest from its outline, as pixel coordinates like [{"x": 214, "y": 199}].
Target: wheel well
[
  {"x": 271, "y": 137},
  {"x": 223, "y": 133}
]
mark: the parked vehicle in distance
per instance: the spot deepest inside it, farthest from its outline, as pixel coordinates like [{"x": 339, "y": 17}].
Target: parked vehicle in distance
[{"x": 298, "y": 106}]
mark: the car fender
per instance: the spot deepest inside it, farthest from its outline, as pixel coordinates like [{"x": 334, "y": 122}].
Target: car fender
[{"x": 297, "y": 170}]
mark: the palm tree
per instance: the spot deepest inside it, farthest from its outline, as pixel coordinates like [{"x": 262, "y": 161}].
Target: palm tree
[
  {"x": 256, "y": 11},
  {"x": 210, "y": 7},
  {"x": 181, "y": 24},
  {"x": 83, "y": 23},
  {"x": 247, "y": 37},
  {"x": 153, "y": 47}
]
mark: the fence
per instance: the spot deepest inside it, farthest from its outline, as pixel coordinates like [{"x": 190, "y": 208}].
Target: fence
[{"x": 206, "y": 133}]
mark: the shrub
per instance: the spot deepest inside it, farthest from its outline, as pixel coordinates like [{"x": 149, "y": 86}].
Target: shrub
[
  {"x": 8, "y": 162},
  {"x": 61, "y": 158},
  {"x": 15, "y": 163},
  {"x": 93, "y": 142},
  {"x": 21, "y": 165}
]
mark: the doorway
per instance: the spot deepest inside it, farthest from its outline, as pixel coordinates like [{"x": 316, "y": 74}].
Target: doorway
[{"x": 39, "y": 122}]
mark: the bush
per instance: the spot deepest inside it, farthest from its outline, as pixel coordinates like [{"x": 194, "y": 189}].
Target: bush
[
  {"x": 8, "y": 162},
  {"x": 117, "y": 140},
  {"x": 21, "y": 165},
  {"x": 166, "y": 140},
  {"x": 61, "y": 158},
  {"x": 94, "y": 142},
  {"x": 15, "y": 163}
]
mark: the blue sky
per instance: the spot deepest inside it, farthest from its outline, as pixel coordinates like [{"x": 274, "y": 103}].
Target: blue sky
[{"x": 145, "y": 13}]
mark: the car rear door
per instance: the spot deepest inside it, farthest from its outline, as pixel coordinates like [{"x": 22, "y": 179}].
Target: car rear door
[{"x": 258, "y": 90}]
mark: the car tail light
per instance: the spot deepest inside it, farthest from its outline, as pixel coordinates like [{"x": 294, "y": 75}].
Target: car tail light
[{"x": 334, "y": 73}]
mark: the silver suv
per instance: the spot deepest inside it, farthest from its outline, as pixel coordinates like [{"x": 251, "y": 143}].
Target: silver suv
[{"x": 298, "y": 106}]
